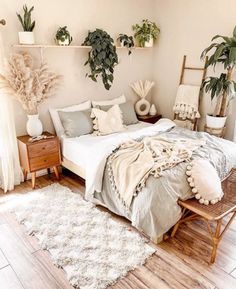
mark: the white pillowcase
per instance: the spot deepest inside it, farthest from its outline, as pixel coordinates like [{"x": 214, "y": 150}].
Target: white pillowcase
[
  {"x": 118, "y": 100},
  {"x": 107, "y": 122},
  {"x": 205, "y": 182},
  {"x": 56, "y": 118}
]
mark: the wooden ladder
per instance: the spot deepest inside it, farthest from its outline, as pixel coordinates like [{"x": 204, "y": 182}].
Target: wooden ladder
[{"x": 181, "y": 81}]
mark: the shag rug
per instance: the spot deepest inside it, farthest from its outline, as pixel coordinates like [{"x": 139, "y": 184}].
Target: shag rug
[{"x": 92, "y": 248}]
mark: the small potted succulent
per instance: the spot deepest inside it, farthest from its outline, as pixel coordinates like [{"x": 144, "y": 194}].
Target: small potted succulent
[
  {"x": 63, "y": 36},
  {"x": 26, "y": 36},
  {"x": 126, "y": 41},
  {"x": 146, "y": 33},
  {"x": 221, "y": 88}
]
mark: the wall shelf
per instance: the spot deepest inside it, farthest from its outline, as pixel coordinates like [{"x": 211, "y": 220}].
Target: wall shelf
[{"x": 70, "y": 46}]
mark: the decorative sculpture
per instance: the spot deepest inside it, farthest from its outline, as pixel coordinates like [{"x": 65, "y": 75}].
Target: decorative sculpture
[{"x": 142, "y": 88}]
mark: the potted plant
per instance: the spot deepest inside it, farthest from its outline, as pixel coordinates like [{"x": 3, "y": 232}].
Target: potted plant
[
  {"x": 102, "y": 57},
  {"x": 146, "y": 33},
  {"x": 126, "y": 41},
  {"x": 223, "y": 88},
  {"x": 63, "y": 36},
  {"x": 26, "y": 36},
  {"x": 30, "y": 85}
]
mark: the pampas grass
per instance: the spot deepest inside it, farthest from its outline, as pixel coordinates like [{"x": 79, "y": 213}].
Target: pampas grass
[{"x": 30, "y": 85}]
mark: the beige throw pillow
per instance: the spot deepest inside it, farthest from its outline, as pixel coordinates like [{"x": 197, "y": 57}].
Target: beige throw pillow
[
  {"x": 107, "y": 122},
  {"x": 204, "y": 181}
]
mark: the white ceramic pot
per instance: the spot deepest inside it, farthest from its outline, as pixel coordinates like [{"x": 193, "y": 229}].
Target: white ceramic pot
[
  {"x": 215, "y": 121},
  {"x": 34, "y": 125},
  {"x": 153, "y": 110},
  {"x": 26, "y": 37},
  {"x": 142, "y": 107},
  {"x": 149, "y": 43},
  {"x": 66, "y": 42}
]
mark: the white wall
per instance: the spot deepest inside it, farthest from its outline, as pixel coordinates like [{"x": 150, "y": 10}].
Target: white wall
[
  {"x": 80, "y": 16},
  {"x": 187, "y": 27}
]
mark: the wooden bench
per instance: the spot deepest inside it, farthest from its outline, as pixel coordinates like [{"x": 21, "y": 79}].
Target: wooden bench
[{"x": 192, "y": 210}]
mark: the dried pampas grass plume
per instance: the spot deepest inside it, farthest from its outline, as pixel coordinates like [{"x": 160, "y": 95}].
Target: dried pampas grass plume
[{"x": 30, "y": 85}]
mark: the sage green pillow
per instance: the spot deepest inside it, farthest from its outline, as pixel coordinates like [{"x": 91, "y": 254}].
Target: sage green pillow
[
  {"x": 76, "y": 123},
  {"x": 128, "y": 112}
]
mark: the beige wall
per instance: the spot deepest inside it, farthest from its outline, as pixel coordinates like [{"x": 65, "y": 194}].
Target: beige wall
[
  {"x": 187, "y": 27},
  {"x": 80, "y": 15}
]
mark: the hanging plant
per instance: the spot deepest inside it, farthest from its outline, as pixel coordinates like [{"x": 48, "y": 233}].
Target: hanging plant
[
  {"x": 126, "y": 41},
  {"x": 63, "y": 36},
  {"x": 102, "y": 57}
]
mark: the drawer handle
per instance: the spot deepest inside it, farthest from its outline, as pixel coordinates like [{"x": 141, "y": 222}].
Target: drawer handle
[
  {"x": 45, "y": 161},
  {"x": 43, "y": 148}
]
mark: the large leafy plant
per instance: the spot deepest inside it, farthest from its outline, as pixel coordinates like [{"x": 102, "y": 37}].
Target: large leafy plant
[
  {"x": 63, "y": 34},
  {"x": 102, "y": 57},
  {"x": 222, "y": 87},
  {"x": 146, "y": 31},
  {"x": 25, "y": 20}
]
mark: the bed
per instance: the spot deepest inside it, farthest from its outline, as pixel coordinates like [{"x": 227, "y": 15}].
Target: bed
[{"x": 154, "y": 210}]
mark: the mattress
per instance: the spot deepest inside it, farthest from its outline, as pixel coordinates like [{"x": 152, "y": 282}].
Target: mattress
[{"x": 77, "y": 150}]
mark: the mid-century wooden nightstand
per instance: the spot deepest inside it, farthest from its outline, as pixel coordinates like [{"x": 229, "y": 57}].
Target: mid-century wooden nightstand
[
  {"x": 149, "y": 118},
  {"x": 39, "y": 155}
]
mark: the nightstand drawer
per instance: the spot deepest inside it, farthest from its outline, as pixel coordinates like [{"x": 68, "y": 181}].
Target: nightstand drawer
[
  {"x": 46, "y": 161},
  {"x": 40, "y": 149}
]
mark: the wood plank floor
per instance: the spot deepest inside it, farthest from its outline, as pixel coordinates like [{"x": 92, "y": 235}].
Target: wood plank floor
[{"x": 181, "y": 262}]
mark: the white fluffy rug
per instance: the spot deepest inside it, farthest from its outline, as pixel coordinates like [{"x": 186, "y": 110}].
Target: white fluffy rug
[{"x": 93, "y": 249}]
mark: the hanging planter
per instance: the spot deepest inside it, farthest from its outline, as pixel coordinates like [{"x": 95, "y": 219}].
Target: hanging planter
[
  {"x": 102, "y": 57},
  {"x": 26, "y": 36}
]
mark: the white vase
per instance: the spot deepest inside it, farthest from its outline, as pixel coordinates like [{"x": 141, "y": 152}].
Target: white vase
[
  {"x": 153, "y": 110},
  {"x": 149, "y": 43},
  {"x": 34, "y": 125},
  {"x": 142, "y": 107},
  {"x": 26, "y": 37},
  {"x": 215, "y": 121}
]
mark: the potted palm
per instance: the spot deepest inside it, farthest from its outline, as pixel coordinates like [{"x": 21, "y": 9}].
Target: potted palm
[
  {"x": 63, "y": 36},
  {"x": 146, "y": 33},
  {"x": 26, "y": 36},
  {"x": 223, "y": 88},
  {"x": 126, "y": 41}
]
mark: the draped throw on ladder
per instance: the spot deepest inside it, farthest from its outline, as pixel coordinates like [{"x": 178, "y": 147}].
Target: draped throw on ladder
[{"x": 187, "y": 102}]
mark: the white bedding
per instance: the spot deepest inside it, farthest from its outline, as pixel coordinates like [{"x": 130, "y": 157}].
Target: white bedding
[
  {"x": 91, "y": 151},
  {"x": 77, "y": 149}
]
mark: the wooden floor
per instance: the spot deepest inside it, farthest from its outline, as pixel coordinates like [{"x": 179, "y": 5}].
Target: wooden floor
[{"x": 181, "y": 262}]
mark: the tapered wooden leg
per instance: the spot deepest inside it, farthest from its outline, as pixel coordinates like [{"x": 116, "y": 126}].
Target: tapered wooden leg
[
  {"x": 175, "y": 229},
  {"x": 25, "y": 174},
  {"x": 56, "y": 172},
  {"x": 33, "y": 179},
  {"x": 216, "y": 240}
]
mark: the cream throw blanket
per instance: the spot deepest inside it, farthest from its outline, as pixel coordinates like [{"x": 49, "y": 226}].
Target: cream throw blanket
[
  {"x": 130, "y": 166},
  {"x": 187, "y": 101}
]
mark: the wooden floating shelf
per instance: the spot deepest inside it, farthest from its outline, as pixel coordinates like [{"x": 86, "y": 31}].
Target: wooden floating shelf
[{"x": 68, "y": 46}]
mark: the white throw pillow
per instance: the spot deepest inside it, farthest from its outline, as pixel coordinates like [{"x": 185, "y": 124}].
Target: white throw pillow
[
  {"x": 107, "y": 122},
  {"x": 204, "y": 181},
  {"x": 56, "y": 118},
  {"x": 118, "y": 100}
]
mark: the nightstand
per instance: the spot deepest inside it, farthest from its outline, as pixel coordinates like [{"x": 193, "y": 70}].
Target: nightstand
[
  {"x": 149, "y": 118},
  {"x": 39, "y": 155}
]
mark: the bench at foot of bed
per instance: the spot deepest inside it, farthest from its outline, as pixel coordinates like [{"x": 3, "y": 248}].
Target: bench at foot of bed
[{"x": 193, "y": 210}]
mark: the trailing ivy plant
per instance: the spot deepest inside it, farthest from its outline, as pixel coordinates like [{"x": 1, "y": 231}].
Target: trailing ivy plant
[
  {"x": 127, "y": 42},
  {"x": 223, "y": 87},
  {"x": 146, "y": 31},
  {"x": 63, "y": 34},
  {"x": 25, "y": 20},
  {"x": 102, "y": 57}
]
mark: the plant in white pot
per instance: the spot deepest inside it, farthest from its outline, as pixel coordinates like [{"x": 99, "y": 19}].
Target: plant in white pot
[
  {"x": 126, "y": 41},
  {"x": 63, "y": 36},
  {"x": 146, "y": 33},
  {"x": 223, "y": 88},
  {"x": 30, "y": 85},
  {"x": 26, "y": 36}
]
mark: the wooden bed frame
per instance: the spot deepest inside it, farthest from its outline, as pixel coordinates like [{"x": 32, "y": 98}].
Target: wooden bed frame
[{"x": 78, "y": 170}]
